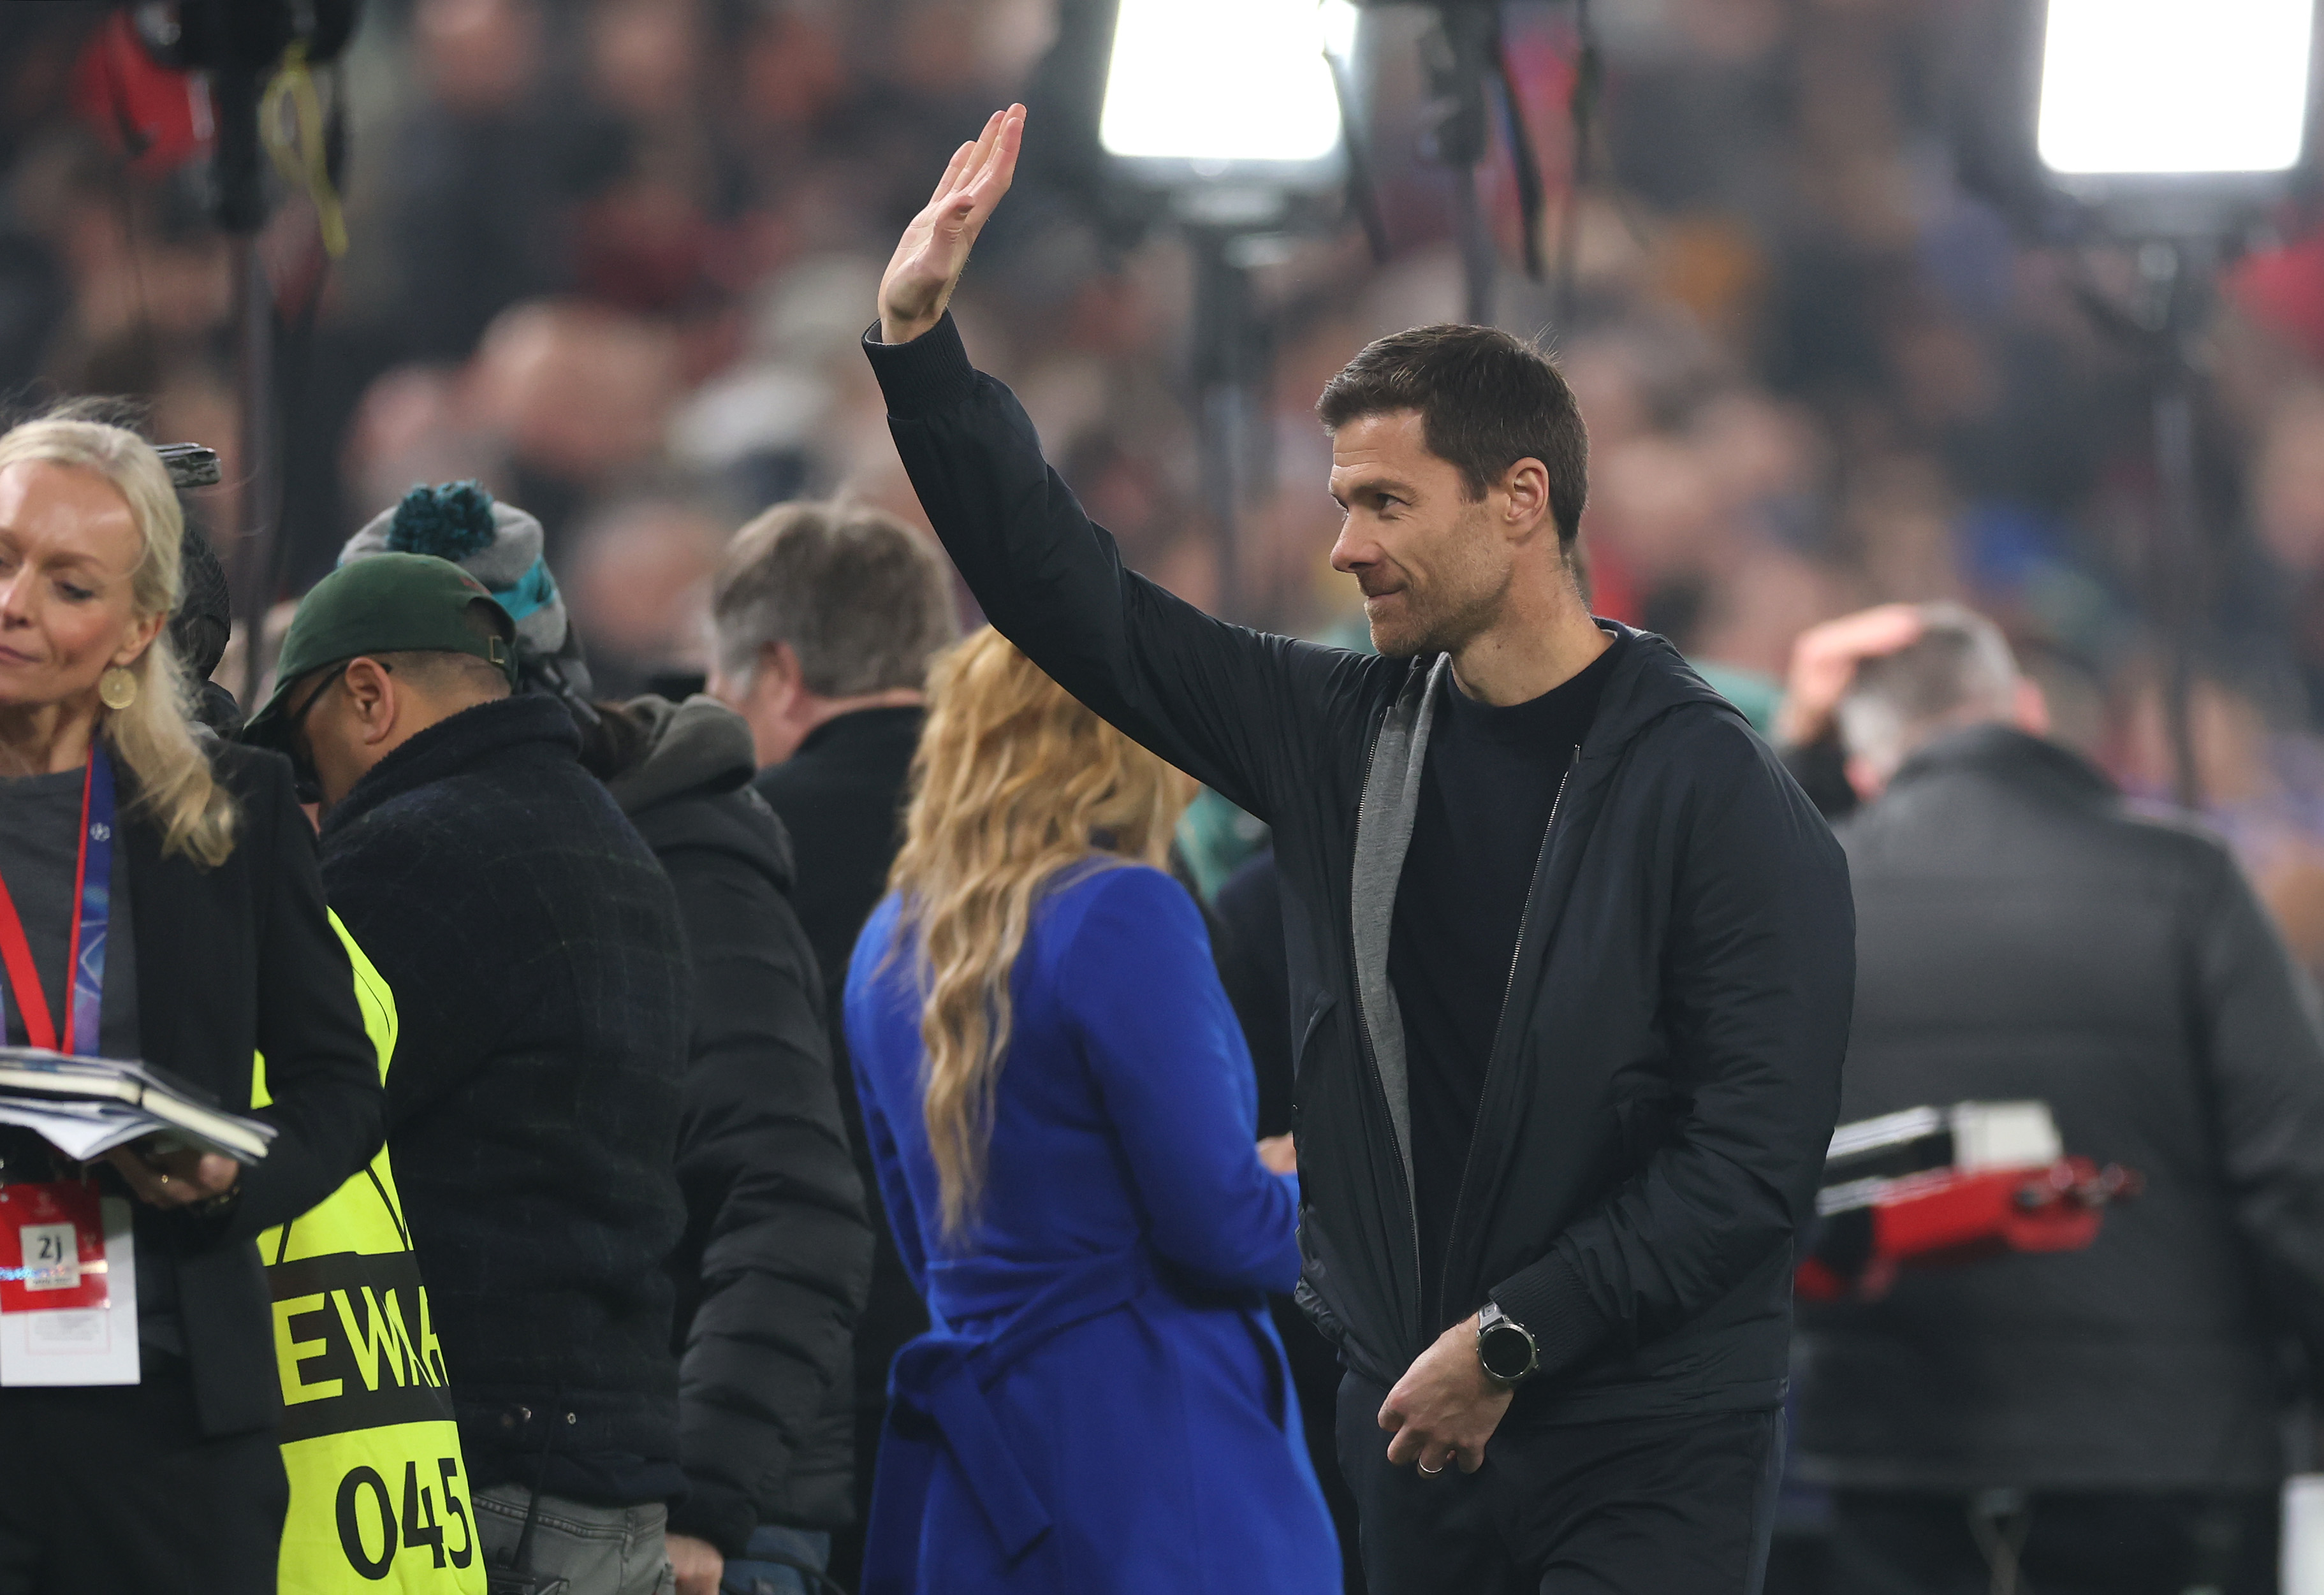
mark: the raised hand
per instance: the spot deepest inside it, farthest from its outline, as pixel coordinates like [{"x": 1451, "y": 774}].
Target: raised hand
[
  {"x": 1824, "y": 660},
  {"x": 928, "y": 261}
]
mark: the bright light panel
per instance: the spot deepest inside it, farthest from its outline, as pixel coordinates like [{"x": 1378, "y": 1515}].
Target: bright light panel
[
  {"x": 1219, "y": 80},
  {"x": 2174, "y": 85}
]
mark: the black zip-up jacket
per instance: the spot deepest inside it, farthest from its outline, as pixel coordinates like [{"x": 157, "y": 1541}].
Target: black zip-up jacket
[
  {"x": 2024, "y": 935},
  {"x": 1662, "y": 1089},
  {"x": 776, "y": 1254}
]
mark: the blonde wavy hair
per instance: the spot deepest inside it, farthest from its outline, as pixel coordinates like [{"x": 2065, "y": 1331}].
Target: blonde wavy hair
[
  {"x": 153, "y": 737},
  {"x": 1014, "y": 782}
]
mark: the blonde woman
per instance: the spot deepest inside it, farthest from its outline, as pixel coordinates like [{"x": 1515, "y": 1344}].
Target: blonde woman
[
  {"x": 158, "y": 900},
  {"x": 1061, "y": 1111}
]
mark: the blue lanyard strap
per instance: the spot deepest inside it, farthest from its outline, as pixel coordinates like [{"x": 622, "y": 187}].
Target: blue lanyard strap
[{"x": 92, "y": 911}]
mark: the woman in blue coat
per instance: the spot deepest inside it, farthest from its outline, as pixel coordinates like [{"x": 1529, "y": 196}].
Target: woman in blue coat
[{"x": 1061, "y": 1113}]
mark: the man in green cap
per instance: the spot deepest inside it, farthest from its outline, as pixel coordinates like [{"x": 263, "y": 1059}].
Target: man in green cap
[
  {"x": 539, "y": 963},
  {"x": 380, "y": 651}
]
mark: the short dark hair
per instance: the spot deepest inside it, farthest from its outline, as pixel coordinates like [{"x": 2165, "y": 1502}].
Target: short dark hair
[{"x": 1486, "y": 401}]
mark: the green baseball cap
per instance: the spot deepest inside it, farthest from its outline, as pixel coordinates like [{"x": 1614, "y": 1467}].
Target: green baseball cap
[{"x": 382, "y": 603}]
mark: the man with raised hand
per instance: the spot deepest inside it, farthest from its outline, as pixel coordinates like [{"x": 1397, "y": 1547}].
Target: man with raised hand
[{"x": 1571, "y": 956}]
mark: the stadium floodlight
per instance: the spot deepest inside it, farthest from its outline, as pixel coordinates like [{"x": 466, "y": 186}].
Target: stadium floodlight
[
  {"x": 2172, "y": 122},
  {"x": 1235, "y": 92},
  {"x": 2170, "y": 94}
]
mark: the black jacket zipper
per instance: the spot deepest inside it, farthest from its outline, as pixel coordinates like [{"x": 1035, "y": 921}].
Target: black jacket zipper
[{"x": 1500, "y": 1022}]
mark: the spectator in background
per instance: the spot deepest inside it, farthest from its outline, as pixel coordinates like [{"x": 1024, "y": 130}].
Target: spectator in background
[
  {"x": 639, "y": 586},
  {"x": 538, "y": 958},
  {"x": 773, "y": 1266},
  {"x": 1064, "y": 1117},
  {"x": 199, "y": 628},
  {"x": 824, "y": 619},
  {"x": 2100, "y": 1421},
  {"x": 777, "y": 1256}
]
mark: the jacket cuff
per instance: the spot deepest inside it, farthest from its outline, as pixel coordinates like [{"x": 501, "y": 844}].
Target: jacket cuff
[
  {"x": 928, "y": 374},
  {"x": 713, "y": 1512},
  {"x": 1552, "y": 1303}
]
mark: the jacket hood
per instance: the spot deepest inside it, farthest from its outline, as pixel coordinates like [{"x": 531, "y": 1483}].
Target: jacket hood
[
  {"x": 1648, "y": 680},
  {"x": 693, "y": 787},
  {"x": 700, "y": 745}
]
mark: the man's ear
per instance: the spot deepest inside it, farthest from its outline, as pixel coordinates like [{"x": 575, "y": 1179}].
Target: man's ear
[
  {"x": 779, "y": 677},
  {"x": 1525, "y": 485},
  {"x": 373, "y": 698}
]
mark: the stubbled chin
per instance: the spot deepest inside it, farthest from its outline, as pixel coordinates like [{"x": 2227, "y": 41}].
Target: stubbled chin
[{"x": 1395, "y": 641}]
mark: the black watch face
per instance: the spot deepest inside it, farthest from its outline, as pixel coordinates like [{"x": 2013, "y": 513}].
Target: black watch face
[{"x": 1505, "y": 1352}]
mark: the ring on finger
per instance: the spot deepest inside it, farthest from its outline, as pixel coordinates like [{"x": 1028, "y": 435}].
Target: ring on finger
[{"x": 1432, "y": 1472}]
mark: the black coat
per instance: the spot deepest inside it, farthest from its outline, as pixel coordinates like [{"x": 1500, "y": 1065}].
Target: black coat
[
  {"x": 776, "y": 1254},
  {"x": 232, "y": 961},
  {"x": 1656, "y": 1113},
  {"x": 2021, "y": 935},
  {"x": 841, "y": 796},
  {"x": 538, "y": 964}
]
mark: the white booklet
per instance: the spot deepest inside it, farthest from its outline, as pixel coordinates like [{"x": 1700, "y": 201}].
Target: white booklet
[{"x": 85, "y": 1106}]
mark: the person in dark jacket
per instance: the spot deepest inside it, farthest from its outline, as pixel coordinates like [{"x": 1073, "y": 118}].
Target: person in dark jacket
[
  {"x": 777, "y": 1255},
  {"x": 2105, "y": 1419},
  {"x": 211, "y": 942},
  {"x": 1571, "y": 955},
  {"x": 825, "y": 617},
  {"x": 1247, "y": 939},
  {"x": 539, "y": 963}
]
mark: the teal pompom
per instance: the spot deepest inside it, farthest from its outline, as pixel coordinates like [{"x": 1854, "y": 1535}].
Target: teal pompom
[{"x": 451, "y": 522}]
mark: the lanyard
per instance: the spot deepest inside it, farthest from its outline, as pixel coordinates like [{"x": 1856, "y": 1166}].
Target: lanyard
[{"x": 92, "y": 908}]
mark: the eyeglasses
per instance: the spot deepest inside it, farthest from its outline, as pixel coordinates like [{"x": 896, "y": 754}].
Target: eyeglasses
[{"x": 305, "y": 783}]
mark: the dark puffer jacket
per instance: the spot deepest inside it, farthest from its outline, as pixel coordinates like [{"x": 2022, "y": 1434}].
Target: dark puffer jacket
[
  {"x": 539, "y": 966},
  {"x": 777, "y": 1255},
  {"x": 2020, "y": 935}
]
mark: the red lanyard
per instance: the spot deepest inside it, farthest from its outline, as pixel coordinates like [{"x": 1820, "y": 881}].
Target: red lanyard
[{"x": 92, "y": 905}]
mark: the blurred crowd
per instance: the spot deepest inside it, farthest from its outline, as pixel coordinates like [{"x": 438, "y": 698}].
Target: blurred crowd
[{"x": 609, "y": 259}]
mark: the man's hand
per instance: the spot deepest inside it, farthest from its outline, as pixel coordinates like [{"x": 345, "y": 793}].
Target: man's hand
[
  {"x": 927, "y": 263},
  {"x": 697, "y": 1562},
  {"x": 1444, "y": 1408},
  {"x": 1824, "y": 661},
  {"x": 176, "y": 1178},
  {"x": 1278, "y": 1153}
]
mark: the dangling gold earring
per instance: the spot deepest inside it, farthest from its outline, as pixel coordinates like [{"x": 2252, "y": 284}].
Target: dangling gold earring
[{"x": 116, "y": 689}]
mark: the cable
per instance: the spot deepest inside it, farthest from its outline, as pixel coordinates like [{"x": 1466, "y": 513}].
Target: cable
[
  {"x": 302, "y": 157},
  {"x": 1589, "y": 77},
  {"x": 1532, "y": 200}
]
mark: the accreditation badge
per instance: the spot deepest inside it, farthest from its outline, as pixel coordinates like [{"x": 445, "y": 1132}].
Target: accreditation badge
[{"x": 67, "y": 1285}]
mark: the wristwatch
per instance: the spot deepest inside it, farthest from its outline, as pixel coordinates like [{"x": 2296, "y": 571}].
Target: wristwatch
[{"x": 1504, "y": 1347}]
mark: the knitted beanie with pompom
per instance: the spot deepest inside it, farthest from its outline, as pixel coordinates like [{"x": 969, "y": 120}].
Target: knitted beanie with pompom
[{"x": 501, "y": 545}]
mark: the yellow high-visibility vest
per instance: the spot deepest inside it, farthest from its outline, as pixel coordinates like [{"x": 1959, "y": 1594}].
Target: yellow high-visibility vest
[{"x": 379, "y": 1498}]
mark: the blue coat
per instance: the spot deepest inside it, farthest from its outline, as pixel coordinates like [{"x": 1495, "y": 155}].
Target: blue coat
[{"x": 1103, "y": 1405}]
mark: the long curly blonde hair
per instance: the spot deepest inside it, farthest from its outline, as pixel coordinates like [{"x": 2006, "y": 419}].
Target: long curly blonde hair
[
  {"x": 1014, "y": 782},
  {"x": 153, "y": 737}
]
